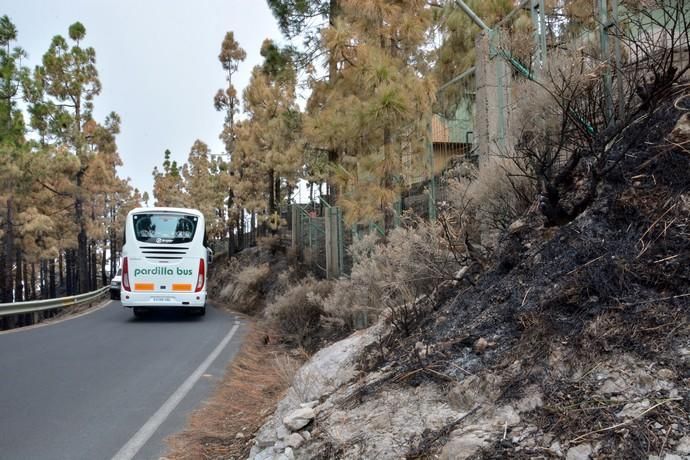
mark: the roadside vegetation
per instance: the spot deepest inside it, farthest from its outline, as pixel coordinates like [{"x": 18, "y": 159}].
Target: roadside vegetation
[{"x": 543, "y": 313}]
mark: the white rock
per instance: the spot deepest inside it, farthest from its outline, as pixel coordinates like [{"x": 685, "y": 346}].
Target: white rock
[
  {"x": 580, "y": 452},
  {"x": 239, "y": 436},
  {"x": 672, "y": 457},
  {"x": 282, "y": 432},
  {"x": 310, "y": 404},
  {"x": 666, "y": 374},
  {"x": 323, "y": 407},
  {"x": 555, "y": 448},
  {"x": 306, "y": 435},
  {"x": 463, "y": 445},
  {"x": 634, "y": 410},
  {"x": 517, "y": 226},
  {"x": 507, "y": 415},
  {"x": 265, "y": 454},
  {"x": 683, "y": 446},
  {"x": 613, "y": 386},
  {"x": 530, "y": 402},
  {"x": 289, "y": 453},
  {"x": 299, "y": 418},
  {"x": 295, "y": 440}
]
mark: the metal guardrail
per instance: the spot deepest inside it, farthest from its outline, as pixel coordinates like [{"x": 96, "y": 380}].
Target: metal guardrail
[{"x": 32, "y": 306}]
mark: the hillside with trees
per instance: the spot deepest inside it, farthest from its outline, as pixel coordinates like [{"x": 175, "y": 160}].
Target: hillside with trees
[
  {"x": 541, "y": 313},
  {"x": 62, "y": 202},
  {"x": 518, "y": 290}
]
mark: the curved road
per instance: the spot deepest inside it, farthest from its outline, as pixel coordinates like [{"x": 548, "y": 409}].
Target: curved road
[{"x": 106, "y": 385}]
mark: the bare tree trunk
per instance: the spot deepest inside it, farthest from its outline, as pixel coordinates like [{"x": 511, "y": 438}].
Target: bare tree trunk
[
  {"x": 271, "y": 191},
  {"x": 104, "y": 277},
  {"x": 387, "y": 179},
  {"x": 18, "y": 282},
  {"x": 61, "y": 271},
  {"x": 240, "y": 226},
  {"x": 7, "y": 260},
  {"x": 231, "y": 236},
  {"x": 69, "y": 272},
  {"x": 51, "y": 278},
  {"x": 42, "y": 277},
  {"x": 93, "y": 269},
  {"x": 82, "y": 261},
  {"x": 333, "y": 155},
  {"x": 33, "y": 281},
  {"x": 252, "y": 229}
]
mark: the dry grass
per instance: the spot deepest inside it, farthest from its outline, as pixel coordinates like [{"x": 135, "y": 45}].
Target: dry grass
[
  {"x": 490, "y": 200},
  {"x": 412, "y": 261},
  {"x": 247, "y": 288},
  {"x": 246, "y": 396},
  {"x": 297, "y": 312}
]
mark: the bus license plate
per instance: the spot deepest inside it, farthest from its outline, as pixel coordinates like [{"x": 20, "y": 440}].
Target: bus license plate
[{"x": 160, "y": 299}]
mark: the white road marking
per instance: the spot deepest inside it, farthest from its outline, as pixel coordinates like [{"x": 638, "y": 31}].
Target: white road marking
[{"x": 129, "y": 450}]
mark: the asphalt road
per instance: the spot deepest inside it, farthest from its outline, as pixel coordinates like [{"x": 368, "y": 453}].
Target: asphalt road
[{"x": 106, "y": 385}]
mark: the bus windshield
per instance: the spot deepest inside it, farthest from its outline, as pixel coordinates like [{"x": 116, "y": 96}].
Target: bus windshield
[{"x": 164, "y": 228}]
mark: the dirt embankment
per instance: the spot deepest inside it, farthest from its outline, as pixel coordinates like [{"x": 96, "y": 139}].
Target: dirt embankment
[{"x": 575, "y": 343}]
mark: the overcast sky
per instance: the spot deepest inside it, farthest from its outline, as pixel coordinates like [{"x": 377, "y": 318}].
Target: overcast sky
[{"x": 158, "y": 65}]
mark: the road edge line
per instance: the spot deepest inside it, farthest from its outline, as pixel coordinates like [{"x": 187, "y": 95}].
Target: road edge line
[{"x": 141, "y": 437}]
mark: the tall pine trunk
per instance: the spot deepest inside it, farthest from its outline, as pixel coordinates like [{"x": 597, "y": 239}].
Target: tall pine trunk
[
  {"x": 18, "y": 282},
  {"x": 104, "y": 276},
  {"x": 93, "y": 268},
  {"x": 333, "y": 155},
  {"x": 51, "y": 279},
  {"x": 8, "y": 252},
  {"x": 33, "y": 281},
  {"x": 61, "y": 270},
  {"x": 252, "y": 236},
  {"x": 388, "y": 179},
  {"x": 82, "y": 243},
  {"x": 240, "y": 229},
  {"x": 69, "y": 273},
  {"x": 231, "y": 237}
]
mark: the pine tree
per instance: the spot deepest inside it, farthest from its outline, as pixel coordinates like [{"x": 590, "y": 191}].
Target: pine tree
[
  {"x": 269, "y": 136},
  {"x": 308, "y": 19},
  {"x": 201, "y": 175},
  {"x": 168, "y": 184},
  {"x": 13, "y": 151},
  {"x": 69, "y": 81},
  {"x": 376, "y": 109},
  {"x": 231, "y": 54}
]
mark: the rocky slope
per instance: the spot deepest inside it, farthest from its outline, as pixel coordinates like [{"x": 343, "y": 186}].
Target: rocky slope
[{"x": 574, "y": 343}]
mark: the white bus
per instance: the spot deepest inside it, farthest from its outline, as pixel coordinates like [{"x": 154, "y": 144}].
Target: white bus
[{"x": 164, "y": 260}]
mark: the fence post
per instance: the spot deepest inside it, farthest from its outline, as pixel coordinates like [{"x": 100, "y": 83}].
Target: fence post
[
  {"x": 332, "y": 243},
  {"x": 430, "y": 165},
  {"x": 539, "y": 24},
  {"x": 602, "y": 6},
  {"x": 296, "y": 230},
  {"x": 341, "y": 241}
]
